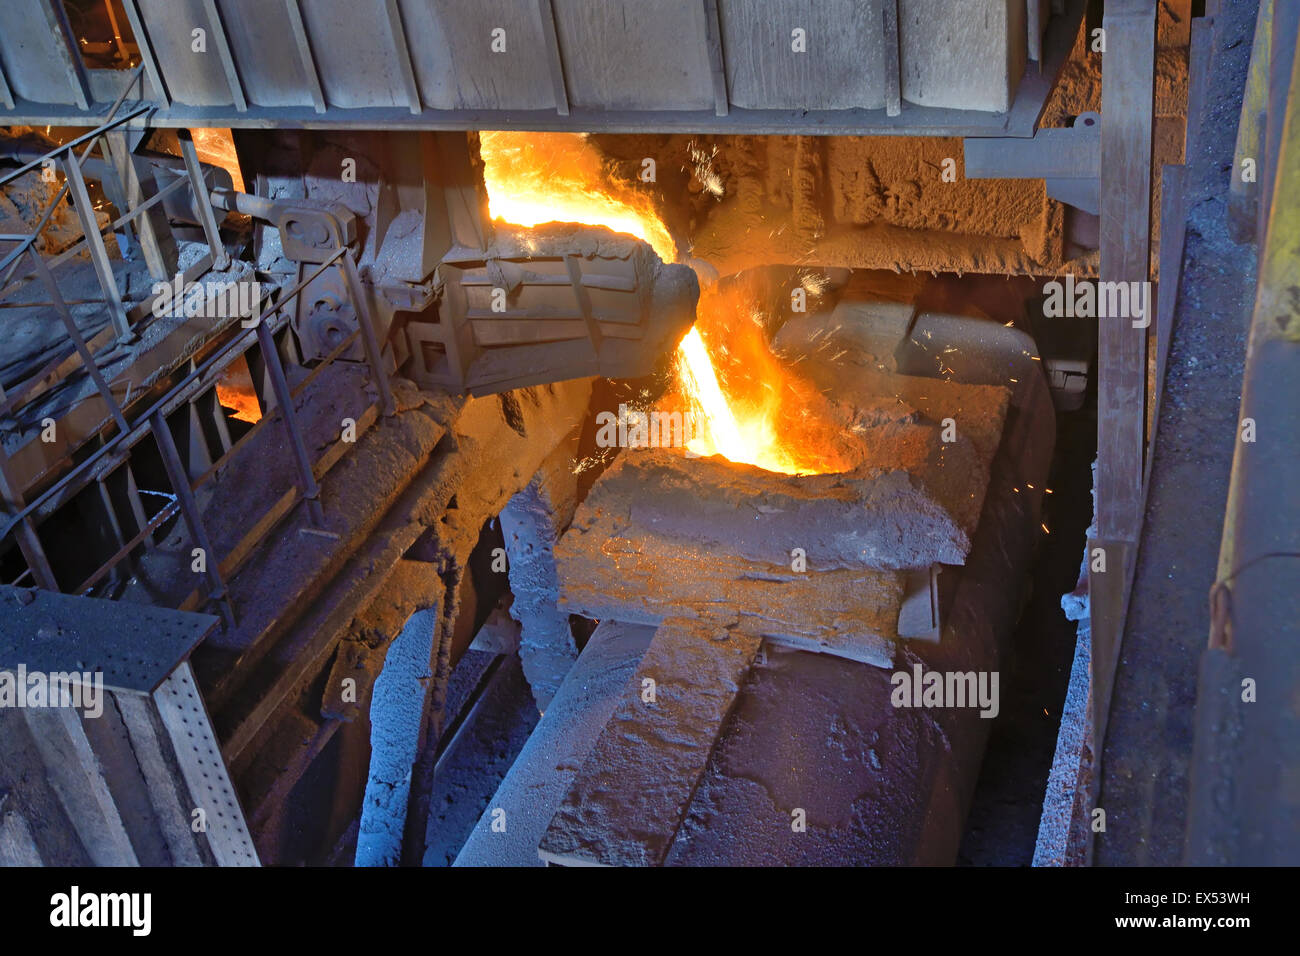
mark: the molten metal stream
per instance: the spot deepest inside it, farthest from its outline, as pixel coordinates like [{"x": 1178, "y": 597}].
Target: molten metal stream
[{"x": 533, "y": 178}]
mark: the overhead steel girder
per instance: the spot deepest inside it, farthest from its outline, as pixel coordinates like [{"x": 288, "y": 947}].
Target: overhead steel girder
[{"x": 844, "y": 67}]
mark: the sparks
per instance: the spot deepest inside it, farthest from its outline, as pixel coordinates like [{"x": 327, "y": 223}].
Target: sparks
[{"x": 536, "y": 178}]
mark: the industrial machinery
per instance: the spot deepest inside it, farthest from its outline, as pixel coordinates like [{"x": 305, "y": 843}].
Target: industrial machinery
[{"x": 571, "y": 432}]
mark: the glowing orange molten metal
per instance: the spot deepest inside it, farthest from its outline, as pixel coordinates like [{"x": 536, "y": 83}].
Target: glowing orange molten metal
[
  {"x": 235, "y": 391},
  {"x": 534, "y": 178},
  {"x": 758, "y": 413}
]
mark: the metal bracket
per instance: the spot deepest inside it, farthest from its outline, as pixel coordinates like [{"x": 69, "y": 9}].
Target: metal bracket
[
  {"x": 314, "y": 235},
  {"x": 1068, "y": 159}
]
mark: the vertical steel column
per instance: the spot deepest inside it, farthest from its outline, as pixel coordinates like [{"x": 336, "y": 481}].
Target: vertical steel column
[
  {"x": 203, "y": 201},
  {"x": 1128, "y": 96},
  {"x": 190, "y": 511},
  {"x": 284, "y": 398},
  {"x": 1127, "y": 110},
  {"x": 374, "y": 352}
]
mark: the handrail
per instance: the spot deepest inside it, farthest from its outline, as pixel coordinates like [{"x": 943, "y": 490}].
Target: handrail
[
  {"x": 73, "y": 143},
  {"x": 12, "y": 283},
  {"x": 153, "y": 420},
  {"x": 307, "y": 486},
  {"x": 69, "y": 147},
  {"x": 200, "y": 370}
]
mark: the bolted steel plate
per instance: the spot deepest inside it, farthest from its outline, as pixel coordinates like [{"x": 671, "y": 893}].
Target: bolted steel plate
[{"x": 134, "y": 646}]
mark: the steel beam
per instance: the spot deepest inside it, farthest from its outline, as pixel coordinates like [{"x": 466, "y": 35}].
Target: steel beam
[
  {"x": 403, "y": 54},
  {"x": 227, "y": 58},
  {"x": 912, "y": 120},
  {"x": 1068, "y": 153},
  {"x": 1068, "y": 160},
  {"x": 148, "y": 60},
  {"x": 304, "y": 54},
  {"x": 95, "y": 244},
  {"x": 1128, "y": 100},
  {"x": 556, "y": 59},
  {"x": 203, "y": 202}
]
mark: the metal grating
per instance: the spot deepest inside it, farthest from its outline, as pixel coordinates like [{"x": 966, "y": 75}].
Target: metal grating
[{"x": 134, "y": 646}]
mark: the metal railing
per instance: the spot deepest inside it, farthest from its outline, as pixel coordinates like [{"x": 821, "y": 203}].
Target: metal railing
[
  {"x": 153, "y": 421},
  {"x": 130, "y": 429}
]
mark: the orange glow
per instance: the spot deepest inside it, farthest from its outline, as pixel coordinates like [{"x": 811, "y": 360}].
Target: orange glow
[
  {"x": 235, "y": 387},
  {"x": 533, "y": 178},
  {"x": 217, "y": 147},
  {"x": 757, "y": 412},
  {"x": 235, "y": 392}
]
